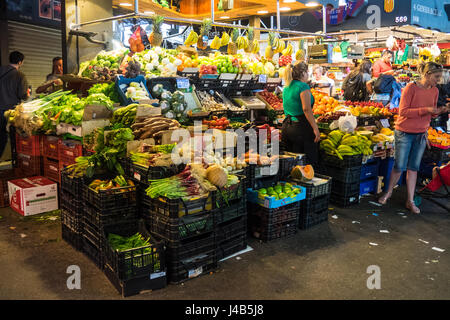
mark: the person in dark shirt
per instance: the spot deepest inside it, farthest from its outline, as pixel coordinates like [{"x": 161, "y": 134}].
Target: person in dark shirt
[
  {"x": 444, "y": 98},
  {"x": 53, "y": 82},
  {"x": 13, "y": 89}
]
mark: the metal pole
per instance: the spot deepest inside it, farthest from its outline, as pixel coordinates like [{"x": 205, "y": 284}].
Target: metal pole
[
  {"x": 212, "y": 10},
  {"x": 278, "y": 14},
  {"x": 324, "y": 17},
  {"x": 136, "y": 6}
]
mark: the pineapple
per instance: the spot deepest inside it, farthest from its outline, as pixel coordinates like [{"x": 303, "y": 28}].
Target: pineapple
[
  {"x": 250, "y": 37},
  {"x": 204, "y": 30},
  {"x": 232, "y": 47},
  {"x": 155, "y": 37},
  {"x": 269, "y": 50}
]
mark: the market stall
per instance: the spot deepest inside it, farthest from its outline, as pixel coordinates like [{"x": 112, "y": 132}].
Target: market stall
[{"x": 168, "y": 159}]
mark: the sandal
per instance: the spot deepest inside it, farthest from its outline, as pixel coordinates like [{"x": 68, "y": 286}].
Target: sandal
[
  {"x": 384, "y": 198},
  {"x": 412, "y": 207}
]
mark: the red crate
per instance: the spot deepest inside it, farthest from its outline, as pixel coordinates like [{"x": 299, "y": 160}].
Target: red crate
[
  {"x": 50, "y": 147},
  {"x": 29, "y": 165},
  {"x": 28, "y": 145},
  {"x": 69, "y": 150},
  {"x": 52, "y": 169}
]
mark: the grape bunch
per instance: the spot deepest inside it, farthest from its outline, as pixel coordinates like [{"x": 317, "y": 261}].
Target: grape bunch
[{"x": 133, "y": 69}]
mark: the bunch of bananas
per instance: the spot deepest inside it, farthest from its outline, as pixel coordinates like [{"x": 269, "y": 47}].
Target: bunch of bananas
[
  {"x": 288, "y": 51},
  {"x": 279, "y": 45},
  {"x": 255, "y": 46},
  {"x": 339, "y": 144},
  {"x": 216, "y": 43},
  {"x": 225, "y": 39},
  {"x": 242, "y": 42},
  {"x": 191, "y": 39}
]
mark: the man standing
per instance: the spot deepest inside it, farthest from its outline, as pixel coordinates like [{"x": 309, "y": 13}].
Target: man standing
[
  {"x": 53, "y": 82},
  {"x": 383, "y": 65},
  {"x": 13, "y": 89}
]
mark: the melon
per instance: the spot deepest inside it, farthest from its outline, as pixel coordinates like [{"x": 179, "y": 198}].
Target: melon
[
  {"x": 303, "y": 173},
  {"x": 217, "y": 175}
]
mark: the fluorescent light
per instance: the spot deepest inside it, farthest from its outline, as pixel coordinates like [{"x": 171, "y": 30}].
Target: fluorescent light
[
  {"x": 262, "y": 12},
  {"x": 149, "y": 12},
  {"x": 312, "y": 4},
  {"x": 285, "y": 9},
  {"x": 224, "y": 17},
  {"x": 125, "y": 4},
  {"x": 289, "y": 1}
]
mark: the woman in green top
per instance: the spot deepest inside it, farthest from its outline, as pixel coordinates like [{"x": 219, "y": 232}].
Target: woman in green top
[{"x": 300, "y": 133}]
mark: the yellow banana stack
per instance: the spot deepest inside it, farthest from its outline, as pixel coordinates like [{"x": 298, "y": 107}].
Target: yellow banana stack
[
  {"x": 216, "y": 43},
  {"x": 242, "y": 42},
  {"x": 339, "y": 144},
  {"x": 225, "y": 39},
  {"x": 255, "y": 46},
  {"x": 280, "y": 45},
  {"x": 191, "y": 39},
  {"x": 288, "y": 51}
]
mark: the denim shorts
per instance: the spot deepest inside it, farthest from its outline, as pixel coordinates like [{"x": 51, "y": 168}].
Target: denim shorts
[{"x": 409, "y": 148}]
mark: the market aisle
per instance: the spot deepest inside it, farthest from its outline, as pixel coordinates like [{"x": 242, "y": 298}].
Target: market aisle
[{"x": 325, "y": 262}]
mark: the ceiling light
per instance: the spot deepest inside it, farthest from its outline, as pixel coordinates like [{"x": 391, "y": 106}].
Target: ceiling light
[
  {"x": 224, "y": 17},
  {"x": 289, "y": 1},
  {"x": 125, "y": 4},
  {"x": 263, "y": 12},
  {"x": 285, "y": 9},
  {"x": 312, "y": 4},
  {"x": 149, "y": 12}
]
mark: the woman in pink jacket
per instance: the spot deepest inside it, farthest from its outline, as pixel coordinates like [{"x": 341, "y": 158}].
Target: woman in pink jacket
[{"x": 418, "y": 105}]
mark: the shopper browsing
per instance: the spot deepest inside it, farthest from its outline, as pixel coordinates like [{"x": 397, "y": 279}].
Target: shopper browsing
[
  {"x": 383, "y": 65},
  {"x": 319, "y": 77},
  {"x": 418, "y": 105},
  {"x": 357, "y": 86},
  {"x": 300, "y": 133},
  {"x": 53, "y": 82},
  {"x": 13, "y": 89}
]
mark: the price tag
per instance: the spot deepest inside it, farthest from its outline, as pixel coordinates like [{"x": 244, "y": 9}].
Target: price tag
[
  {"x": 195, "y": 272},
  {"x": 183, "y": 83},
  {"x": 385, "y": 123},
  {"x": 262, "y": 78},
  {"x": 157, "y": 275},
  {"x": 137, "y": 176}
]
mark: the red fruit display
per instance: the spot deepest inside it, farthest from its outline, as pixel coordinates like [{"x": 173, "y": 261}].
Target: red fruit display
[
  {"x": 284, "y": 61},
  {"x": 272, "y": 99}
]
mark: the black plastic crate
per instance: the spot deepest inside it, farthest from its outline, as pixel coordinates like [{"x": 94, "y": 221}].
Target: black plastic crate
[
  {"x": 143, "y": 174},
  {"x": 180, "y": 228},
  {"x": 168, "y": 83},
  {"x": 71, "y": 185},
  {"x": 309, "y": 219},
  {"x": 70, "y": 202},
  {"x": 436, "y": 154},
  {"x": 344, "y": 202},
  {"x": 237, "y": 208},
  {"x": 136, "y": 285},
  {"x": 334, "y": 161},
  {"x": 287, "y": 164},
  {"x": 262, "y": 216},
  {"x": 72, "y": 220},
  {"x": 181, "y": 271},
  {"x": 274, "y": 231},
  {"x": 259, "y": 182},
  {"x": 314, "y": 191},
  {"x": 344, "y": 189},
  {"x": 92, "y": 233},
  {"x": 92, "y": 252},
  {"x": 366, "y": 121},
  {"x": 206, "y": 84},
  {"x": 99, "y": 219},
  {"x": 105, "y": 200},
  {"x": 230, "y": 229},
  {"x": 184, "y": 249},
  {"x": 71, "y": 237},
  {"x": 225, "y": 196},
  {"x": 231, "y": 246},
  {"x": 177, "y": 208},
  {"x": 345, "y": 175},
  {"x": 315, "y": 205},
  {"x": 238, "y": 115},
  {"x": 136, "y": 262}
]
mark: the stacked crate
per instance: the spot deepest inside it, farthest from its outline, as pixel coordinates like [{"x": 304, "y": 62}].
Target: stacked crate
[
  {"x": 346, "y": 175},
  {"x": 29, "y": 159},
  {"x": 187, "y": 228},
  {"x": 50, "y": 155},
  {"x": 71, "y": 204},
  {"x": 369, "y": 177},
  {"x": 314, "y": 209},
  {"x": 231, "y": 219},
  {"x": 68, "y": 151}
]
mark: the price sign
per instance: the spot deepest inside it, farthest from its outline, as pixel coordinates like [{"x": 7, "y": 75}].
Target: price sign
[
  {"x": 262, "y": 78},
  {"x": 385, "y": 123},
  {"x": 183, "y": 83}
]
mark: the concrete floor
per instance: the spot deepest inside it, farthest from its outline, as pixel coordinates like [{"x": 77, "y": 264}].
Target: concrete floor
[{"x": 328, "y": 261}]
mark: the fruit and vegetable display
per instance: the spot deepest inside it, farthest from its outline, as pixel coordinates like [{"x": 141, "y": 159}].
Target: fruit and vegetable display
[
  {"x": 342, "y": 144},
  {"x": 173, "y": 104},
  {"x": 323, "y": 103},
  {"x": 126, "y": 115},
  {"x": 157, "y": 62},
  {"x": 279, "y": 191},
  {"x": 303, "y": 173},
  {"x": 368, "y": 108},
  {"x": 217, "y": 123},
  {"x": 153, "y": 127},
  {"x": 274, "y": 101},
  {"x": 439, "y": 138},
  {"x": 135, "y": 91},
  {"x": 117, "y": 182},
  {"x": 105, "y": 66},
  {"x": 329, "y": 117},
  {"x": 108, "y": 89}
]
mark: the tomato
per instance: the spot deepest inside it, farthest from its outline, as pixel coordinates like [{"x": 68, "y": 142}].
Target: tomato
[
  {"x": 214, "y": 118},
  {"x": 226, "y": 122},
  {"x": 223, "y": 118}
]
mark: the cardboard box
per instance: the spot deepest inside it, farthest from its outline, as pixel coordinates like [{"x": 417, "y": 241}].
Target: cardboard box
[{"x": 33, "y": 195}]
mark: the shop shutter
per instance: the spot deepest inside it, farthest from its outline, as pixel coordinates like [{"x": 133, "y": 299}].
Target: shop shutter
[{"x": 39, "y": 45}]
